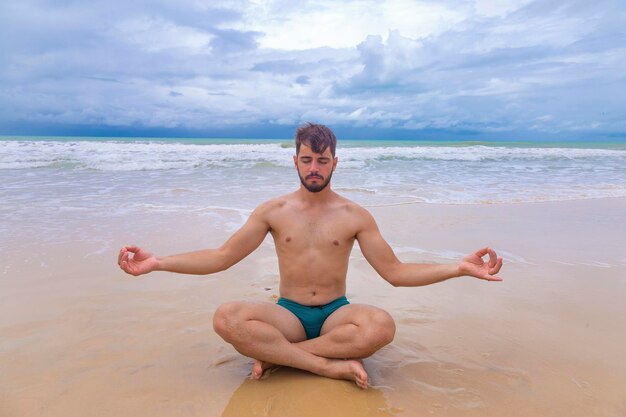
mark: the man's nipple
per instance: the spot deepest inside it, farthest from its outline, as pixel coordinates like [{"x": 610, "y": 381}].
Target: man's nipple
[
  {"x": 336, "y": 242},
  {"x": 288, "y": 239}
]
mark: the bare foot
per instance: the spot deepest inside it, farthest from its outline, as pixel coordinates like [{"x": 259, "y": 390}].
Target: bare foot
[
  {"x": 352, "y": 370},
  {"x": 259, "y": 368}
]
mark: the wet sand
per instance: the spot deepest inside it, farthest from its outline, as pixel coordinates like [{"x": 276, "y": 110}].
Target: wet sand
[{"x": 80, "y": 338}]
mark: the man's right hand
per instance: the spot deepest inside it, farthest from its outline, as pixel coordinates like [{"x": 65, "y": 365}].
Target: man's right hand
[{"x": 141, "y": 262}]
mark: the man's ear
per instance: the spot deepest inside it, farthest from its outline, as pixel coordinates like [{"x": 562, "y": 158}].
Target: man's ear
[{"x": 295, "y": 160}]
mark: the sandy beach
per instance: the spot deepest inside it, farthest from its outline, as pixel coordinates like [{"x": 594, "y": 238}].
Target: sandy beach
[
  {"x": 461, "y": 126},
  {"x": 80, "y": 338}
]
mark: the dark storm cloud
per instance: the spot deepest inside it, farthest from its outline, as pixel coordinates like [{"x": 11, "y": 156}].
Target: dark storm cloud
[
  {"x": 281, "y": 66},
  {"x": 229, "y": 41}
]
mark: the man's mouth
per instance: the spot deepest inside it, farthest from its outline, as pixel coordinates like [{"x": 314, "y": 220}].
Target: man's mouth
[{"x": 314, "y": 177}]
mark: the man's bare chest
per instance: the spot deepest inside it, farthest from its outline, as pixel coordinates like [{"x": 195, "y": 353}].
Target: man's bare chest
[{"x": 313, "y": 232}]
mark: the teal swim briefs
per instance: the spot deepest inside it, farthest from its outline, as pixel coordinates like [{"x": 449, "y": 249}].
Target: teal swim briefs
[{"x": 312, "y": 317}]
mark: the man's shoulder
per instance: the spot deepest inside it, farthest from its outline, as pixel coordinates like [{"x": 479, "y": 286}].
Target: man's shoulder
[
  {"x": 273, "y": 204},
  {"x": 352, "y": 208}
]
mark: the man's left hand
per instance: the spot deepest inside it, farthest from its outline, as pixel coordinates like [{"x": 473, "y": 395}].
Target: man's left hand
[{"x": 474, "y": 265}]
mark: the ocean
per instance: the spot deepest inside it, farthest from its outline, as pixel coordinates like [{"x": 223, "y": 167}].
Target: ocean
[{"x": 88, "y": 178}]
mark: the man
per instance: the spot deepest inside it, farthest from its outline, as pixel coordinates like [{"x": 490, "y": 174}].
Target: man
[{"x": 312, "y": 326}]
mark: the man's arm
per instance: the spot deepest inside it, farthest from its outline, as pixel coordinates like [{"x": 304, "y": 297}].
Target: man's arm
[
  {"x": 201, "y": 262},
  {"x": 380, "y": 255}
]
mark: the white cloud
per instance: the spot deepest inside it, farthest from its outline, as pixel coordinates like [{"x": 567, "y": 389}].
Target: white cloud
[
  {"x": 329, "y": 23},
  {"x": 499, "y": 8},
  {"x": 153, "y": 34},
  {"x": 454, "y": 64}
]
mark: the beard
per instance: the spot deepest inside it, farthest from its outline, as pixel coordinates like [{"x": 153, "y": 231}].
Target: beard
[{"x": 315, "y": 188}]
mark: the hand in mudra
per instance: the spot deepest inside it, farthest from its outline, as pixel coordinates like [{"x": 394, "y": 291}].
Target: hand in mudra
[
  {"x": 136, "y": 261},
  {"x": 474, "y": 265}
]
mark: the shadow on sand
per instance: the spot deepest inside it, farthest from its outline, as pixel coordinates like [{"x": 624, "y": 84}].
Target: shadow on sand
[{"x": 293, "y": 393}]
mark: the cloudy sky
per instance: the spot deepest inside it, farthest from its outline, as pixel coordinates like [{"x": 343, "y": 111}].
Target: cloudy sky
[{"x": 472, "y": 69}]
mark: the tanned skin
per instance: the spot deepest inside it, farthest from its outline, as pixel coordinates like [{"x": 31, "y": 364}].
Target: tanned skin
[{"x": 314, "y": 230}]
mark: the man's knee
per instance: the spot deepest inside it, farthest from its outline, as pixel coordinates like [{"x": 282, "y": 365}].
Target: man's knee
[
  {"x": 227, "y": 318},
  {"x": 380, "y": 329}
]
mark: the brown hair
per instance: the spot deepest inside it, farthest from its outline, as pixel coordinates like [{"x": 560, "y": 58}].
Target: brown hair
[{"x": 317, "y": 137}]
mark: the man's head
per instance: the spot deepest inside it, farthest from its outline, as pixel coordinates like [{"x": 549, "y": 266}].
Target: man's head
[
  {"x": 315, "y": 156},
  {"x": 317, "y": 137}
]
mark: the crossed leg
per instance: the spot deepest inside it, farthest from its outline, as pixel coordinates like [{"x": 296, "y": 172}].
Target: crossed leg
[{"x": 272, "y": 334}]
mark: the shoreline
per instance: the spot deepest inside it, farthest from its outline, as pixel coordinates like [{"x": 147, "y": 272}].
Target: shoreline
[{"x": 489, "y": 203}]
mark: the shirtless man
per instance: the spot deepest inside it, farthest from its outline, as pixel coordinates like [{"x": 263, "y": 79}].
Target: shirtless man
[{"x": 312, "y": 326}]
